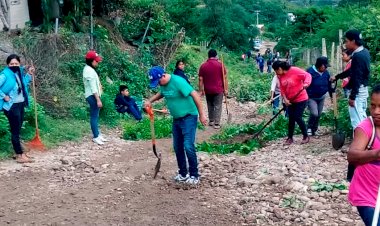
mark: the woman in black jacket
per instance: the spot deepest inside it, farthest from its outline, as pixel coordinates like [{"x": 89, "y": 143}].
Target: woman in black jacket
[{"x": 179, "y": 70}]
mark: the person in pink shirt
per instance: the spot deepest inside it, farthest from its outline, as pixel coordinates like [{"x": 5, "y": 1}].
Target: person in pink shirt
[
  {"x": 346, "y": 57},
  {"x": 365, "y": 155},
  {"x": 293, "y": 84}
]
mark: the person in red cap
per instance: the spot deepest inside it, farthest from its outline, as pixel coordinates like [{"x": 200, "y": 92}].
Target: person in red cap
[{"x": 93, "y": 92}]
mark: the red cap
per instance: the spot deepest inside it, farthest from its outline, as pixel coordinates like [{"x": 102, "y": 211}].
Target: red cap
[{"x": 92, "y": 55}]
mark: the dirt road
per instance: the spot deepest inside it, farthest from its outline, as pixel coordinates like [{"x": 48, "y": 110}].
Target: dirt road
[{"x": 84, "y": 184}]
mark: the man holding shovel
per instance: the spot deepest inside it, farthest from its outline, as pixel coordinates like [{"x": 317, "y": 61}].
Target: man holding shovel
[
  {"x": 184, "y": 105},
  {"x": 213, "y": 83},
  {"x": 359, "y": 76}
]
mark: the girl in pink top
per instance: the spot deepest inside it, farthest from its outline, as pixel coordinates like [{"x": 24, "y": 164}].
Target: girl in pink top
[
  {"x": 346, "y": 57},
  {"x": 366, "y": 179},
  {"x": 293, "y": 84}
]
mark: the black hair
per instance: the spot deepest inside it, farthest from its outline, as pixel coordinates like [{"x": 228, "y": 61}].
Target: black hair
[
  {"x": 89, "y": 62},
  {"x": 122, "y": 88},
  {"x": 354, "y": 35},
  {"x": 212, "y": 53},
  {"x": 178, "y": 62},
  {"x": 281, "y": 64},
  {"x": 376, "y": 89},
  {"x": 347, "y": 51},
  {"x": 11, "y": 57}
]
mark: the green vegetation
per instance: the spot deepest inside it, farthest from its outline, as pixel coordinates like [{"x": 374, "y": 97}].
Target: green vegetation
[
  {"x": 320, "y": 186},
  {"x": 141, "y": 130},
  {"x": 238, "y": 138}
]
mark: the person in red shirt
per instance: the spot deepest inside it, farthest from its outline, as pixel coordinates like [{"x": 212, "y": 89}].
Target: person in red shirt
[
  {"x": 212, "y": 85},
  {"x": 293, "y": 84},
  {"x": 346, "y": 57}
]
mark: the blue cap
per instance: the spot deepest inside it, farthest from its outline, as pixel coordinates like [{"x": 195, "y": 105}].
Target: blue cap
[{"x": 155, "y": 73}]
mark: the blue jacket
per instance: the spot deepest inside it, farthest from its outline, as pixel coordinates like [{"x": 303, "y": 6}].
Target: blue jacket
[
  {"x": 320, "y": 83},
  {"x": 8, "y": 87}
]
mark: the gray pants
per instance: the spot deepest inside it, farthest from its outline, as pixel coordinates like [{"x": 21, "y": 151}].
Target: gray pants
[
  {"x": 214, "y": 106},
  {"x": 315, "y": 107}
]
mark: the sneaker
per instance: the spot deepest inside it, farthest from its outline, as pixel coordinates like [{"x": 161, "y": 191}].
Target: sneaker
[
  {"x": 179, "y": 178},
  {"x": 309, "y": 132},
  {"x": 98, "y": 140},
  {"x": 288, "y": 141},
  {"x": 193, "y": 180},
  {"x": 211, "y": 123},
  {"x": 216, "y": 126},
  {"x": 102, "y": 138},
  {"x": 305, "y": 140}
]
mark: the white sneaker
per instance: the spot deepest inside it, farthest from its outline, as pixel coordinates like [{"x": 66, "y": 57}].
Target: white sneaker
[
  {"x": 309, "y": 132},
  {"x": 102, "y": 138},
  {"x": 193, "y": 180},
  {"x": 98, "y": 140},
  {"x": 179, "y": 178}
]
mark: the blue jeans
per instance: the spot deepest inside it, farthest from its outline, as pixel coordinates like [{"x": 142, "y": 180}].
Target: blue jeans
[
  {"x": 94, "y": 115},
  {"x": 366, "y": 213},
  {"x": 183, "y": 141},
  {"x": 358, "y": 113},
  {"x": 276, "y": 103}
]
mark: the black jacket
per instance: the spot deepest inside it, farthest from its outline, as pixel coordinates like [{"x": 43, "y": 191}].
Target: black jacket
[
  {"x": 123, "y": 101},
  {"x": 320, "y": 84},
  {"x": 359, "y": 72},
  {"x": 181, "y": 73}
]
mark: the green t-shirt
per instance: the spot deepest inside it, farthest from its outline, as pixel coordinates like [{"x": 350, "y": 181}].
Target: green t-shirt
[{"x": 177, "y": 96}]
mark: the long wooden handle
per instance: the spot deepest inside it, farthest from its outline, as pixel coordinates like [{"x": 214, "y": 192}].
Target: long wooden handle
[
  {"x": 335, "y": 105},
  {"x": 35, "y": 102},
  {"x": 224, "y": 83}
]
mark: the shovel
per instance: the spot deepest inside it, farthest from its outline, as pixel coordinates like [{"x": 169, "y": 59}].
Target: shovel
[
  {"x": 229, "y": 115},
  {"x": 149, "y": 110},
  {"x": 337, "y": 137},
  {"x": 275, "y": 116}
]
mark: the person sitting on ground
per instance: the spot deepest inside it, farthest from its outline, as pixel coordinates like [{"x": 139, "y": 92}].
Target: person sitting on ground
[
  {"x": 364, "y": 153},
  {"x": 179, "y": 70},
  {"x": 320, "y": 85},
  {"x": 293, "y": 84},
  {"x": 126, "y": 104}
]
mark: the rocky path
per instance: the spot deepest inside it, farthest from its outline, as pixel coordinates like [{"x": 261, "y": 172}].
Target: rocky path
[{"x": 84, "y": 184}]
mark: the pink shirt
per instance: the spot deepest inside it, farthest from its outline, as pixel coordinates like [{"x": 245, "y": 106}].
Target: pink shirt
[
  {"x": 346, "y": 80},
  {"x": 292, "y": 82},
  {"x": 365, "y": 183}
]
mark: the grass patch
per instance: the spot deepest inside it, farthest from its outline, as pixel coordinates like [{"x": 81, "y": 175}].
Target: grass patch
[
  {"x": 320, "y": 186},
  {"x": 134, "y": 130},
  {"x": 237, "y": 138},
  {"x": 52, "y": 133}
]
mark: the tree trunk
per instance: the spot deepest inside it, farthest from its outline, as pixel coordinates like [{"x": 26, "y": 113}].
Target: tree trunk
[{"x": 4, "y": 9}]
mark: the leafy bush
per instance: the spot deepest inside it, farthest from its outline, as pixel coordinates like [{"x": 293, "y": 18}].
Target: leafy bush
[
  {"x": 141, "y": 130},
  {"x": 230, "y": 139},
  {"x": 320, "y": 186}
]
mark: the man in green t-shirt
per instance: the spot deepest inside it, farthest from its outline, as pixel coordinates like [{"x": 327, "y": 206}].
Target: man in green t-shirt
[{"x": 184, "y": 104}]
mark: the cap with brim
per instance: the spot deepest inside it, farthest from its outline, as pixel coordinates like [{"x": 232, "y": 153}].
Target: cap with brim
[
  {"x": 92, "y": 55},
  {"x": 155, "y": 74}
]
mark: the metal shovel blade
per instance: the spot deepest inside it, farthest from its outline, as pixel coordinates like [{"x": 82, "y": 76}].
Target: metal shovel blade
[{"x": 338, "y": 140}]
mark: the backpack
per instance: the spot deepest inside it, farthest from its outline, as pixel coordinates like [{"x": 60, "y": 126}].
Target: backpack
[{"x": 351, "y": 167}]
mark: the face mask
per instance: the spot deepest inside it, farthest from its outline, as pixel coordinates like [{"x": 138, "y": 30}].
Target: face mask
[{"x": 14, "y": 68}]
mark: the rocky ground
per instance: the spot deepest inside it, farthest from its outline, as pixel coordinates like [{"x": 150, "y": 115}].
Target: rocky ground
[{"x": 84, "y": 184}]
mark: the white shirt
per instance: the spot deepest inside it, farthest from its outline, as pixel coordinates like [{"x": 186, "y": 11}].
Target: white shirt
[{"x": 91, "y": 82}]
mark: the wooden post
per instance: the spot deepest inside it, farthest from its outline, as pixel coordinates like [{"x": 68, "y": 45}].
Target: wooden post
[
  {"x": 338, "y": 59},
  {"x": 308, "y": 57},
  {"x": 332, "y": 61},
  {"x": 341, "y": 65},
  {"x": 324, "y": 50}
]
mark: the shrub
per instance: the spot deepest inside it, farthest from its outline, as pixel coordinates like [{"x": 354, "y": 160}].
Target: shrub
[{"x": 141, "y": 130}]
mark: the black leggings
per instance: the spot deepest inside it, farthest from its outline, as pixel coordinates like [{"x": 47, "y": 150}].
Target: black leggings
[
  {"x": 16, "y": 117},
  {"x": 295, "y": 111}
]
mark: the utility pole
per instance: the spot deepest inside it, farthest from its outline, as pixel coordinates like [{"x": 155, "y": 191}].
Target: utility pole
[
  {"x": 92, "y": 27},
  {"x": 257, "y": 16}
]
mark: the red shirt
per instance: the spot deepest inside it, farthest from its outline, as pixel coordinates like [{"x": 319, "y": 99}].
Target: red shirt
[
  {"x": 292, "y": 82},
  {"x": 211, "y": 72}
]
